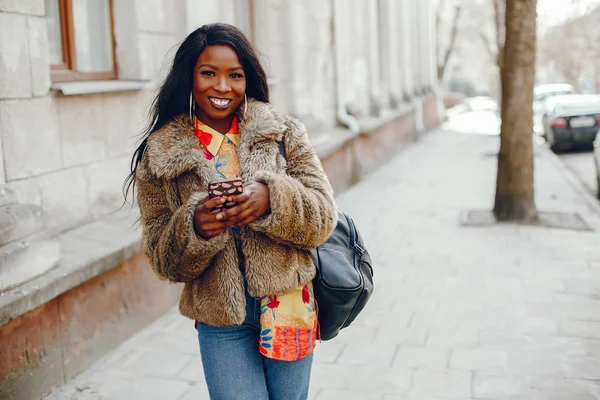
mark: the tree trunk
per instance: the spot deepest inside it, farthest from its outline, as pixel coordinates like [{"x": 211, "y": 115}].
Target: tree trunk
[{"x": 514, "y": 185}]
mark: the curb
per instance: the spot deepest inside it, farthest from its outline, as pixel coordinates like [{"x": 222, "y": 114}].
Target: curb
[{"x": 591, "y": 201}]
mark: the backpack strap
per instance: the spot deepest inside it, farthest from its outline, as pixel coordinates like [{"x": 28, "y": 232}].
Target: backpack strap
[{"x": 282, "y": 149}]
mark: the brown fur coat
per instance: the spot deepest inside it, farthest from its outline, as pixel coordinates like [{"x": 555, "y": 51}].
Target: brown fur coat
[{"x": 172, "y": 179}]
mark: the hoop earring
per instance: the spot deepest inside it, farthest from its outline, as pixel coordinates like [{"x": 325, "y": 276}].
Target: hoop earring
[
  {"x": 192, "y": 107},
  {"x": 245, "y": 103}
]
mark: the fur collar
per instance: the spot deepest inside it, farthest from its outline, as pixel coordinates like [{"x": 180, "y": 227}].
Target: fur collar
[{"x": 174, "y": 148}]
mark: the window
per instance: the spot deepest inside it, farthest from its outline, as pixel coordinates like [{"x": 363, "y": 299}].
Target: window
[{"x": 81, "y": 40}]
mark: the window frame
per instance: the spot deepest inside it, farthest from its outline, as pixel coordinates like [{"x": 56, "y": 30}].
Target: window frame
[{"x": 66, "y": 72}]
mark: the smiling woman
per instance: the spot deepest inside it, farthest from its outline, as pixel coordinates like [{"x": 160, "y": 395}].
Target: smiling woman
[
  {"x": 247, "y": 269},
  {"x": 219, "y": 86}
]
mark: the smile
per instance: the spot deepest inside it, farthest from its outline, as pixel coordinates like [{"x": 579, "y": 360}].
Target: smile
[{"x": 220, "y": 103}]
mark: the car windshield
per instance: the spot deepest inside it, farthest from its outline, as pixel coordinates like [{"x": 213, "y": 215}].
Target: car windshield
[{"x": 546, "y": 95}]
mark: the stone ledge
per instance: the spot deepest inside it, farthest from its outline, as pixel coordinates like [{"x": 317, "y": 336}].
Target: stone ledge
[
  {"x": 329, "y": 142},
  {"x": 371, "y": 124},
  {"x": 91, "y": 87},
  {"x": 87, "y": 252}
]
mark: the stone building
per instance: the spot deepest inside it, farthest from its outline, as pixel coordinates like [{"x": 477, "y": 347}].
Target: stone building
[{"x": 76, "y": 79}]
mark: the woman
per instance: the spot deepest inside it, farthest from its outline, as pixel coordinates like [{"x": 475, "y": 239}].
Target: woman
[{"x": 247, "y": 269}]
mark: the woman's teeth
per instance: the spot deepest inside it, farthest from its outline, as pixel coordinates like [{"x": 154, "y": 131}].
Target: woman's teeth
[{"x": 220, "y": 103}]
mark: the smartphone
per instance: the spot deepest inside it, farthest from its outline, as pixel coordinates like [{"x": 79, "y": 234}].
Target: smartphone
[{"x": 225, "y": 188}]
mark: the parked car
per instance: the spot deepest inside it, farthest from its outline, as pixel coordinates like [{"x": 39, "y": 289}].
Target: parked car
[
  {"x": 542, "y": 92},
  {"x": 541, "y": 95},
  {"x": 481, "y": 103},
  {"x": 571, "y": 120}
]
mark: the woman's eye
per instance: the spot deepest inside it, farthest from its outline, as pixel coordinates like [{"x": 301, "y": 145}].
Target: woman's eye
[
  {"x": 236, "y": 76},
  {"x": 207, "y": 73}
]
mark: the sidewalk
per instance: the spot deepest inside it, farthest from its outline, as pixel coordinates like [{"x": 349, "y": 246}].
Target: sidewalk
[{"x": 500, "y": 312}]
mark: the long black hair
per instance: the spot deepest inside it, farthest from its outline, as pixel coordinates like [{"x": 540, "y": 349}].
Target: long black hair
[{"x": 174, "y": 95}]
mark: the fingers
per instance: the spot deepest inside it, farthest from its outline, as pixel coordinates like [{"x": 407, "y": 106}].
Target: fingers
[
  {"x": 245, "y": 217},
  {"x": 239, "y": 198},
  {"x": 208, "y": 205},
  {"x": 230, "y": 214}
]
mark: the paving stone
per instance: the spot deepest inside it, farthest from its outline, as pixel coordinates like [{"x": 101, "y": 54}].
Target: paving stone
[
  {"x": 481, "y": 359},
  {"x": 381, "y": 380},
  {"x": 421, "y": 357},
  {"x": 583, "y": 368},
  {"x": 118, "y": 386},
  {"x": 413, "y": 336},
  {"x": 331, "y": 376},
  {"x": 368, "y": 353},
  {"x": 440, "y": 382},
  {"x": 582, "y": 329},
  {"x": 529, "y": 387},
  {"x": 329, "y": 394},
  {"x": 192, "y": 372},
  {"x": 146, "y": 364},
  {"x": 533, "y": 326},
  {"x": 443, "y": 336},
  {"x": 328, "y": 352},
  {"x": 498, "y": 386},
  {"x": 196, "y": 392}
]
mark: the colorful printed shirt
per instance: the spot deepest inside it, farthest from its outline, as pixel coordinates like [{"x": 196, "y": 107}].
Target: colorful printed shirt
[{"x": 289, "y": 325}]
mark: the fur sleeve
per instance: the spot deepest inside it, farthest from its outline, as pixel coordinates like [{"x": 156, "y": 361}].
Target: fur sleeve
[
  {"x": 168, "y": 238},
  {"x": 303, "y": 212}
]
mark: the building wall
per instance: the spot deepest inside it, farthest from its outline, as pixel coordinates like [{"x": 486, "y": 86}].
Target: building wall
[{"x": 70, "y": 154}]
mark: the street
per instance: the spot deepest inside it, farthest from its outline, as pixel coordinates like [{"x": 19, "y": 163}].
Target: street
[{"x": 579, "y": 161}]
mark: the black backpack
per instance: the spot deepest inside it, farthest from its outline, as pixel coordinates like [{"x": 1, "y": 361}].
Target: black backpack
[{"x": 344, "y": 280}]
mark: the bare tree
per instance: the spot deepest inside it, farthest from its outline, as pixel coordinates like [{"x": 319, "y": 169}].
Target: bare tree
[
  {"x": 494, "y": 41},
  {"x": 564, "y": 49},
  {"x": 514, "y": 185},
  {"x": 454, "y": 28}
]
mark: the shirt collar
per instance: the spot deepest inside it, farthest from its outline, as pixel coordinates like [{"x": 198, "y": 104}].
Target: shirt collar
[{"x": 212, "y": 140}]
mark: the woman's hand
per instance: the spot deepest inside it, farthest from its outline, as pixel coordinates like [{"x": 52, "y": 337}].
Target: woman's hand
[
  {"x": 207, "y": 223},
  {"x": 253, "y": 203}
]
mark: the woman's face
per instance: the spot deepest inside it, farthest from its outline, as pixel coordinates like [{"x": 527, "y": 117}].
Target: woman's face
[{"x": 219, "y": 84}]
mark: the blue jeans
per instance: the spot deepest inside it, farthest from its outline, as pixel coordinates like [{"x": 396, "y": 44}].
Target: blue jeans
[{"x": 235, "y": 370}]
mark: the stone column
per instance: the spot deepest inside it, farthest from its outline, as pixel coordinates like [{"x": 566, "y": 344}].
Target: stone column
[
  {"x": 407, "y": 48},
  {"x": 377, "y": 97},
  {"x": 432, "y": 48},
  {"x": 390, "y": 37},
  {"x": 420, "y": 45}
]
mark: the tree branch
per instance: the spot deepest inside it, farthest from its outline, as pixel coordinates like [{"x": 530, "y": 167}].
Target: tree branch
[{"x": 453, "y": 35}]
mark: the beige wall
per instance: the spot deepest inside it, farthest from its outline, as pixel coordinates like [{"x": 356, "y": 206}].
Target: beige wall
[{"x": 70, "y": 154}]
